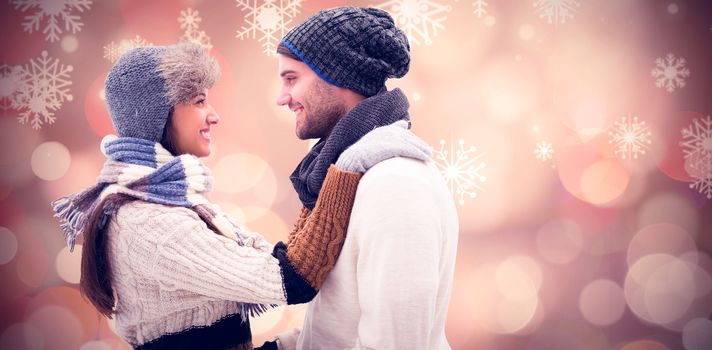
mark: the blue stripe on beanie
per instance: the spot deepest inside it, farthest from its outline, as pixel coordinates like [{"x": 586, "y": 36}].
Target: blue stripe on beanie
[
  {"x": 308, "y": 63},
  {"x": 352, "y": 47}
]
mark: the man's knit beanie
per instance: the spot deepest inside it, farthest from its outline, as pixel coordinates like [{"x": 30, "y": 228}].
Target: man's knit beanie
[
  {"x": 350, "y": 47},
  {"x": 147, "y": 82}
]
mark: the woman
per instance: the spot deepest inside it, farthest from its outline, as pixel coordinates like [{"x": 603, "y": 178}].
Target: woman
[{"x": 174, "y": 270}]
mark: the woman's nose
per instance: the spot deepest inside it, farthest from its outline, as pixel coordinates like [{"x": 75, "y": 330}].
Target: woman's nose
[{"x": 213, "y": 117}]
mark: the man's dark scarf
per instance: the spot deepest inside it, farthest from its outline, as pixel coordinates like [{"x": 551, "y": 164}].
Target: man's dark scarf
[{"x": 384, "y": 108}]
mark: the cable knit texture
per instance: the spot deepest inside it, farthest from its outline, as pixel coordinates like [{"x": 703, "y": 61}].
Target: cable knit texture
[
  {"x": 391, "y": 285},
  {"x": 299, "y": 224},
  {"x": 171, "y": 273},
  {"x": 324, "y": 235}
]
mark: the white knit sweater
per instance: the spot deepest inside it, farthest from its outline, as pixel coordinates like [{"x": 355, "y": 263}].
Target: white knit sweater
[
  {"x": 171, "y": 272},
  {"x": 390, "y": 287}
]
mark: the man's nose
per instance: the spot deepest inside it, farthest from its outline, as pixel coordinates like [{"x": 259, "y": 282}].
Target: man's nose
[{"x": 283, "y": 99}]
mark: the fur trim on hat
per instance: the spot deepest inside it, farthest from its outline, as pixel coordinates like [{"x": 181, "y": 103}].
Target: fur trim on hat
[{"x": 188, "y": 70}]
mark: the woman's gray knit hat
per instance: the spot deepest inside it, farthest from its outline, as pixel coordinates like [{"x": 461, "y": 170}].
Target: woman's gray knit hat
[
  {"x": 351, "y": 47},
  {"x": 147, "y": 82}
]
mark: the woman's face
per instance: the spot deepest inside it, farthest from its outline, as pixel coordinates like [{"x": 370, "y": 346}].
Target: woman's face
[{"x": 191, "y": 124}]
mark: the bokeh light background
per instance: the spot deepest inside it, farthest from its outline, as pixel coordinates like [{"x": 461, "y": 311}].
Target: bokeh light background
[{"x": 600, "y": 244}]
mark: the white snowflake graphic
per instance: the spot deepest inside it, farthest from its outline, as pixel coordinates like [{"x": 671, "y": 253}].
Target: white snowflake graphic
[
  {"x": 198, "y": 37},
  {"x": 544, "y": 151},
  {"x": 44, "y": 86},
  {"x": 420, "y": 19},
  {"x": 630, "y": 137},
  {"x": 670, "y": 72},
  {"x": 55, "y": 11},
  {"x": 9, "y": 85},
  {"x": 190, "y": 21},
  {"x": 480, "y": 8},
  {"x": 113, "y": 51},
  {"x": 556, "y": 11},
  {"x": 458, "y": 168},
  {"x": 697, "y": 149},
  {"x": 267, "y": 21}
]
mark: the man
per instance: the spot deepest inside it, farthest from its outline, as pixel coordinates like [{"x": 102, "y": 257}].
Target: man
[{"x": 391, "y": 284}]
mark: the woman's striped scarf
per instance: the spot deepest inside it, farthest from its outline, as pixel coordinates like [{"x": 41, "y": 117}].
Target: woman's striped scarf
[{"x": 144, "y": 170}]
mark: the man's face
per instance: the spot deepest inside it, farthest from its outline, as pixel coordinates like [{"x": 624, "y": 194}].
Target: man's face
[{"x": 316, "y": 104}]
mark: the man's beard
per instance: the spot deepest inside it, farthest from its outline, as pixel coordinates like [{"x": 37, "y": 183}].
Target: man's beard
[{"x": 323, "y": 109}]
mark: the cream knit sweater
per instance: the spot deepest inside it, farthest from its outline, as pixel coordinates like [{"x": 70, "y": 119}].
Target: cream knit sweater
[{"x": 170, "y": 272}]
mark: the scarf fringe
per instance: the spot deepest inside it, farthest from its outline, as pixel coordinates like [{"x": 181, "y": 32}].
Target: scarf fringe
[
  {"x": 72, "y": 211},
  {"x": 253, "y": 310},
  {"x": 72, "y": 219},
  {"x": 179, "y": 181}
]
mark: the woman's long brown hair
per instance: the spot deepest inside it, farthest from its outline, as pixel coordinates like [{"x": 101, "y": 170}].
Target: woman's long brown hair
[
  {"x": 95, "y": 281},
  {"x": 96, "y": 273}
]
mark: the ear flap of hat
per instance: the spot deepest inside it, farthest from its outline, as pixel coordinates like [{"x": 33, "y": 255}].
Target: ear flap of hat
[{"x": 135, "y": 94}]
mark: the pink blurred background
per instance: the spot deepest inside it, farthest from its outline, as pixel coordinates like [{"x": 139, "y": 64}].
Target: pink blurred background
[{"x": 584, "y": 205}]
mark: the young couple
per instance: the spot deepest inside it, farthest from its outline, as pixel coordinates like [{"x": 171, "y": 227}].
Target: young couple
[{"x": 376, "y": 237}]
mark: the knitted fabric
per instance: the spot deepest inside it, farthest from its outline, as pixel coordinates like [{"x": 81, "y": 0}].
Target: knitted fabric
[
  {"x": 383, "y": 109},
  {"x": 354, "y": 48},
  {"x": 146, "y": 82},
  {"x": 136, "y": 94},
  {"x": 301, "y": 249},
  {"x": 176, "y": 279},
  {"x": 144, "y": 170},
  {"x": 381, "y": 142},
  {"x": 391, "y": 285},
  {"x": 228, "y": 333}
]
